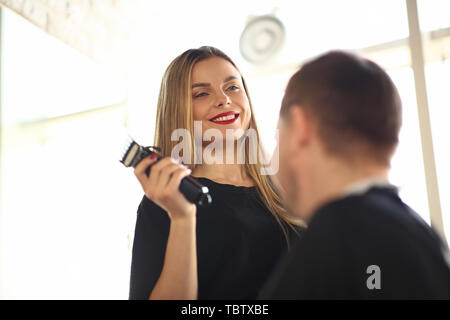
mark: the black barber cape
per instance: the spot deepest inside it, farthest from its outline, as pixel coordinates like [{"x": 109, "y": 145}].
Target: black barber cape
[{"x": 369, "y": 246}]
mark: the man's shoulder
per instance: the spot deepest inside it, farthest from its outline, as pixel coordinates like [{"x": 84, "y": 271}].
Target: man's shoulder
[
  {"x": 375, "y": 224},
  {"x": 347, "y": 237},
  {"x": 374, "y": 209}
]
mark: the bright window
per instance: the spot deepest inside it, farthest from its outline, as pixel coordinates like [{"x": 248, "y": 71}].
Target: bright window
[
  {"x": 64, "y": 231},
  {"x": 438, "y": 79}
]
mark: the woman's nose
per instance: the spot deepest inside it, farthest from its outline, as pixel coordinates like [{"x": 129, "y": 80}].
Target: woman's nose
[{"x": 223, "y": 100}]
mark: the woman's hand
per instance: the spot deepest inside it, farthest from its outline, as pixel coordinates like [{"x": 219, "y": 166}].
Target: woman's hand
[{"x": 161, "y": 186}]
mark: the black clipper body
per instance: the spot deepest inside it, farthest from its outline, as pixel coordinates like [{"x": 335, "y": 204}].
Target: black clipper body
[{"x": 189, "y": 187}]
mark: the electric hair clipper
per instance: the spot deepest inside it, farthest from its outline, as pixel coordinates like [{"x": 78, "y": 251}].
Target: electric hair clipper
[{"x": 189, "y": 187}]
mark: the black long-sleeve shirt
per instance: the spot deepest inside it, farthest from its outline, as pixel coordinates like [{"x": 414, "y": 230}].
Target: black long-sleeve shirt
[{"x": 238, "y": 244}]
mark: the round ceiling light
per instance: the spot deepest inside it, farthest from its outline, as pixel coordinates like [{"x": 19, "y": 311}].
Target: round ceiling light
[{"x": 262, "y": 39}]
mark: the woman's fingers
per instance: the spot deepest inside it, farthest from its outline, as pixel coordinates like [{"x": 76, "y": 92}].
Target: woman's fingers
[
  {"x": 155, "y": 172},
  {"x": 177, "y": 176},
  {"x": 163, "y": 183},
  {"x": 166, "y": 173},
  {"x": 159, "y": 176},
  {"x": 142, "y": 166}
]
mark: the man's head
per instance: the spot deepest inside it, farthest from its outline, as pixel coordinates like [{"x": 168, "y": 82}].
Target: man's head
[{"x": 339, "y": 107}]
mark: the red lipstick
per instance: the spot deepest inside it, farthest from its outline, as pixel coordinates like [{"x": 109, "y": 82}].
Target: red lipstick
[{"x": 227, "y": 117}]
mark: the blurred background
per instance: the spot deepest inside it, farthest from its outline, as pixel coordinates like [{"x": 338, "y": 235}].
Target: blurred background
[{"x": 78, "y": 75}]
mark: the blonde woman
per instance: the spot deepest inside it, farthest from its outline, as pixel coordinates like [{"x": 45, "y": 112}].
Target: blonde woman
[{"x": 224, "y": 251}]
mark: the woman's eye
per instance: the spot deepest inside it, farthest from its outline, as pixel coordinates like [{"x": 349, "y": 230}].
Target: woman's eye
[
  {"x": 201, "y": 94},
  {"x": 233, "y": 87}
]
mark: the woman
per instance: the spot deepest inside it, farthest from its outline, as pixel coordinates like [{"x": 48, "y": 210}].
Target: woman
[{"x": 224, "y": 251}]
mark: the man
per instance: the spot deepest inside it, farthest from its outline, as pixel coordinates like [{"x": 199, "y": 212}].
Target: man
[{"x": 338, "y": 129}]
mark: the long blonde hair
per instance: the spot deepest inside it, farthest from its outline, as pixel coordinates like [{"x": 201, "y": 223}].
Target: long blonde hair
[{"x": 174, "y": 110}]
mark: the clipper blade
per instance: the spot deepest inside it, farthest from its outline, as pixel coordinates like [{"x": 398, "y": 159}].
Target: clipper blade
[{"x": 130, "y": 152}]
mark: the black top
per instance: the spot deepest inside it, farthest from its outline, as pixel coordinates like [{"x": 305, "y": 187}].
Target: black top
[
  {"x": 238, "y": 244},
  {"x": 347, "y": 236}
]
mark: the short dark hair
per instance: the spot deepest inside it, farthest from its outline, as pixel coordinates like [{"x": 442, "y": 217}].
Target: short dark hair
[{"x": 353, "y": 101}]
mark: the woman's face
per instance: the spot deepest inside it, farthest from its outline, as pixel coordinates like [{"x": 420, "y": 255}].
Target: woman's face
[{"x": 218, "y": 95}]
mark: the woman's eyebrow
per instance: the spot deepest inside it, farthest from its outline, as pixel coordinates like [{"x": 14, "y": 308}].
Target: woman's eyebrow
[
  {"x": 206, "y": 84},
  {"x": 202, "y": 84}
]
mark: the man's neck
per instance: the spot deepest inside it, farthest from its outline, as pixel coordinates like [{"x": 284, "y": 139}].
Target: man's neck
[{"x": 331, "y": 181}]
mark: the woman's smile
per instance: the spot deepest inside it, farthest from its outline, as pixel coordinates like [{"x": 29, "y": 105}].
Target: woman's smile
[{"x": 225, "y": 117}]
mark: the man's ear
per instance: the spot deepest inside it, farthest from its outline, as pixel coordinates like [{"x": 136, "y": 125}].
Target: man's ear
[{"x": 301, "y": 124}]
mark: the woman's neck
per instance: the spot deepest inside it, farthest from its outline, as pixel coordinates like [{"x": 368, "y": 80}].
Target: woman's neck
[
  {"x": 227, "y": 172},
  {"x": 233, "y": 174}
]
